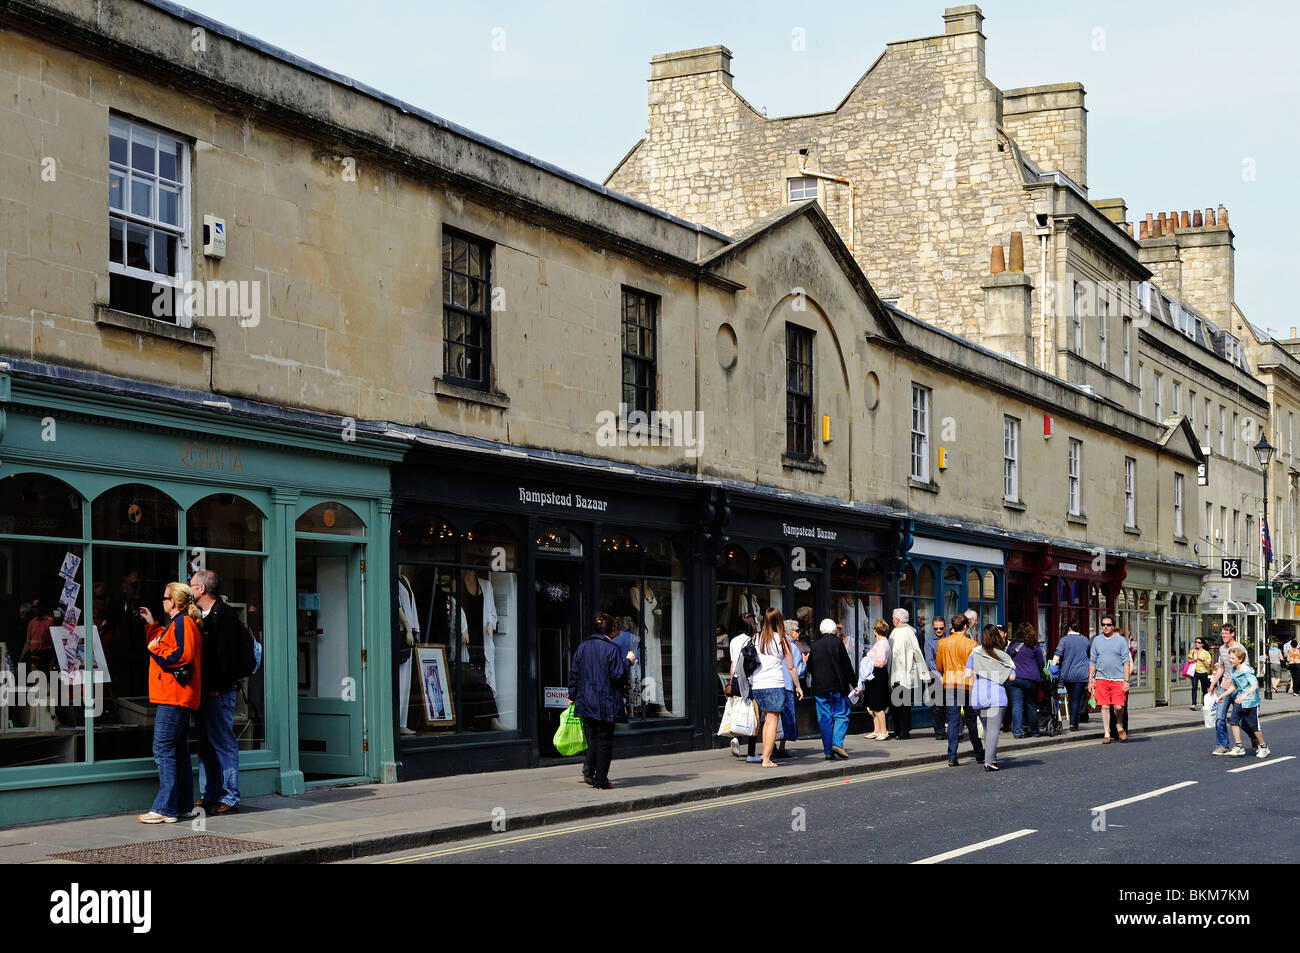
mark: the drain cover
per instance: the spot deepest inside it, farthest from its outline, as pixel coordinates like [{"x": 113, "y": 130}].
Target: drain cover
[{"x": 170, "y": 850}]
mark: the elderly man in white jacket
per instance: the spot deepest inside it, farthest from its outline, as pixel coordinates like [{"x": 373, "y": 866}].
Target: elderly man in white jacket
[{"x": 908, "y": 673}]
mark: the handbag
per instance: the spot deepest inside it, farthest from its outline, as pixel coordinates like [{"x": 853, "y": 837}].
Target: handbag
[
  {"x": 1189, "y": 670},
  {"x": 740, "y": 717},
  {"x": 569, "y": 738}
]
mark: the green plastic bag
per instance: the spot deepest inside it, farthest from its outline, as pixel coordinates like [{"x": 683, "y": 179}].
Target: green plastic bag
[{"x": 569, "y": 737}]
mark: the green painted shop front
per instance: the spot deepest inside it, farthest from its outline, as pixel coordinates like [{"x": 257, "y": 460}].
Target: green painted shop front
[{"x": 104, "y": 498}]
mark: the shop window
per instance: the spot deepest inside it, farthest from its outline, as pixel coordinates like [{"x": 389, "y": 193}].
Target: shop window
[
  {"x": 857, "y": 601},
  {"x": 651, "y": 615},
  {"x": 333, "y": 519},
  {"x": 32, "y": 504},
  {"x": 663, "y": 558},
  {"x": 558, "y": 542},
  {"x": 457, "y": 638},
  {"x": 768, "y": 584},
  {"x": 916, "y": 593},
  {"x": 224, "y": 521},
  {"x": 135, "y": 513},
  {"x": 735, "y": 565}
]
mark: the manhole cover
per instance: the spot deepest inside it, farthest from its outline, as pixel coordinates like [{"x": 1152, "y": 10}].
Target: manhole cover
[{"x": 171, "y": 850}]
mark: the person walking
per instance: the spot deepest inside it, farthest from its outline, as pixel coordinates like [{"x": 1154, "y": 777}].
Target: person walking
[
  {"x": 951, "y": 655},
  {"x": 743, "y": 687},
  {"x": 907, "y": 673},
  {"x": 990, "y": 669},
  {"x": 832, "y": 677},
  {"x": 873, "y": 680},
  {"x": 1072, "y": 659},
  {"x": 768, "y": 682},
  {"x": 1245, "y": 708},
  {"x": 217, "y": 747},
  {"x": 1275, "y": 668},
  {"x": 1220, "y": 679},
  {"x": 1109, "y": 667},
  {"x": 597, "y": 682},
  {"x": 1022, "y": 692},
  {"x": 1292, "y": 656},
  {"x": 938, "y": 711},
  {"x": 789, "y": 721},
  {"x": 175, "y": 652},
  {"x": 1200, "y": 657}
]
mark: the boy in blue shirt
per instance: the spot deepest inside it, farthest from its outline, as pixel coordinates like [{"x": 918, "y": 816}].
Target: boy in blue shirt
[{"x": 1245, "y": 709}]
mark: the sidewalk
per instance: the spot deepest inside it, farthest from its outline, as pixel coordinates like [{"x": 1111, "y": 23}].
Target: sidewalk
[{"x": 341, "y": 823}]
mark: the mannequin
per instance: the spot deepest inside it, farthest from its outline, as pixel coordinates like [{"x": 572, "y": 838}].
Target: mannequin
[
  {"x": 646, "y": 606},
  {"x": 478, "y": 622},
  {"x": 408, "y": 622},
  {"x": 853, "y": 616}
]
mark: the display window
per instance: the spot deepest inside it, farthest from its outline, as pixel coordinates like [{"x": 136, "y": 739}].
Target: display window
[
  {"x": 75, "y": 586},
  {"x": 857, "y": 601},
  {"x": 916, "y": 594},
  {"x": 644, "y": 589},
  {"x": 456, "y": 644}
]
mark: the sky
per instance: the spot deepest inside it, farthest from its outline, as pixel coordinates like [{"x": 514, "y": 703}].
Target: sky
[{"x": 1190, "y": 103}]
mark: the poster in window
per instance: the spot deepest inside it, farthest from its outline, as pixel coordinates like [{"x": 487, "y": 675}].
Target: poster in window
[{"x": 435, "y": 686}]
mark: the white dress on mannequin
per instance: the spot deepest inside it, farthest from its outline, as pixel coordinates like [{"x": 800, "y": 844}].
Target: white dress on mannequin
[
  {"x": 406, "y": 607},
  {"x": 643, "y": 599}
]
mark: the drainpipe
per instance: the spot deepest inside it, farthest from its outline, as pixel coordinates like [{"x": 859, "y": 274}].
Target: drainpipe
[
  {"x": 803, "y": 154},
  {"x": 1043, "y": 233}
]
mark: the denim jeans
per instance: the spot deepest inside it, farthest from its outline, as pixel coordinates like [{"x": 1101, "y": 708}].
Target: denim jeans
[
  {"x": 171, "y": 752},
  {"x": 1221, "y": 736},
  {"x": 1077, "y": 693},
  {"x": 833, "y": 719},
  {"x": 1022, "y": 696},
  {"x": 789, "y": 724},
  {"x": 218, "y": 750},
  {"x": 957, "y": 714}
]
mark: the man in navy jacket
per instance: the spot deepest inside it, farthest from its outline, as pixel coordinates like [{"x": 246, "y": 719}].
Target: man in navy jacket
[{"x": 597, "y": 681}]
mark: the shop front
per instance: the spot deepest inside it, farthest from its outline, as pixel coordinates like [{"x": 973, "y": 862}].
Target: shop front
[
  {"x": 501, "y": 563},
  {"x": 1050, "y": 586},
  {"x": 104, "y": 499},
  {"x": 1158, "y": 609}
]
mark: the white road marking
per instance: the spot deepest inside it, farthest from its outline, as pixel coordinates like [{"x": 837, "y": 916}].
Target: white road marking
[
  {"x": 1263, "y": 764},
  {"x": 1143, "y": 797},
  {"x": 940, "y": 858}
]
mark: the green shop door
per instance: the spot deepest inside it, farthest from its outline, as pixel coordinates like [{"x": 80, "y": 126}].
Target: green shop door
[{"x": 330, "y": 682}]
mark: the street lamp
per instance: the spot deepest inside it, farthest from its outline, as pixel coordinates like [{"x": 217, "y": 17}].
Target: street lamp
[{"x": 1264, "y": 454}]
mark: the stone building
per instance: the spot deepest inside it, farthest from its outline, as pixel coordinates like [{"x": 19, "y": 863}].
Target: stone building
[{"x": 426, "y": 404}]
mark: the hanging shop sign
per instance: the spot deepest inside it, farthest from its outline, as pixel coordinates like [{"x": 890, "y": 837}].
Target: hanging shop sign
[{"x": 1292, "y": 592}]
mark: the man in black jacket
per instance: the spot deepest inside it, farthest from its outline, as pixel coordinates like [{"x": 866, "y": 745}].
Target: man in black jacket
[
  {"x": 832, "y": 676},
  {"x": 217, "y": 747}
]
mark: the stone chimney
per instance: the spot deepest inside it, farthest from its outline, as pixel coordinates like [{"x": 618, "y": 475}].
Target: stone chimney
[
  {"x": 1192, "y": 258},
  {"x": 1050, "y": 125},
  {"x": 707, "y": 60},
  {"x": 1113, "y": 209},
  {"x": 1008, "y": 313}
]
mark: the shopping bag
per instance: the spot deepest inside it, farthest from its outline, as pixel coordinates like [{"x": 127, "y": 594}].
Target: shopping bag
[
  {"x": 1189, "y": 670},
  {"x": 569, "y": 737},
  {"x": 740, "y": 717},
  {"x": 1092, "y": 699}
]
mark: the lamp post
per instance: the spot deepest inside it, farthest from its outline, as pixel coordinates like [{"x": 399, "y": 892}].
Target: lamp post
[{"x": 1264, "y": 453}]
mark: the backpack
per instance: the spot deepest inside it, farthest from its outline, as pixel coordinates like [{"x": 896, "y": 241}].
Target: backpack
[{"x": 250, "y": 652}]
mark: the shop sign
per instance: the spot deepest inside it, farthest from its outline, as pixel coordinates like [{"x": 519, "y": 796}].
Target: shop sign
[
  {"x": 210, "y": 456},
  {"x": 795, "y": 531},
  {"x": 1067, "y": 567},
  {"x": 573, "y": 501},
  {"x": 1292, "y": 592},
  {"x": 555, "y": 697}
]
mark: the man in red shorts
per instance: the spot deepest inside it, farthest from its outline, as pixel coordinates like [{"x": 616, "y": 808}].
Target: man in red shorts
[{"x": 1109, "y": 666}]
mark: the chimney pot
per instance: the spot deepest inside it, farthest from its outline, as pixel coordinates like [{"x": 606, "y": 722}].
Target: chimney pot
[
  {"x": 1142, "y": 230},
  {"x": 1128, "y": 227},
  {"x": 1293, "y": 332},
  {"x": 1017, "y": 252},
  {"x": 1209, "y": 217},
  {"x": 1223, "y": 215},
  {"x": 1197, "y": 221},
  {"x": 1184, "y": 220},
  {"x": 997, "y": 263}
]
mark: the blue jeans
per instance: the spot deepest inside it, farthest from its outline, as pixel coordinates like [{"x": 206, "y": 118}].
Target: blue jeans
[
  {"x": 171, "y": 752},
  {"x": 833, "y": 719},
  {"x": 1221, "y": 735},
  {"x": 789, "y": 727},
  {"x": 1077, "y": 693},
  {"x": 218, "y": 750},
  {"x": 955, "y": 716},
  {"x": 1022, "y": 695}
]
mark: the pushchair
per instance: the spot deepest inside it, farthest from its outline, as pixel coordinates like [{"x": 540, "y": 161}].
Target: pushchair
[{"x": 1052, "y": 707}]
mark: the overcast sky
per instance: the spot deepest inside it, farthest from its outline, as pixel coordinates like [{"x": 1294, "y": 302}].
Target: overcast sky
[{"x": 1190, "y": 103}]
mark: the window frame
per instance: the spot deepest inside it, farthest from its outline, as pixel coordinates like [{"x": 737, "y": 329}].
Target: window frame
[
  {"x": 651, "y": 363},
  {"x": 806, "y": 182},
  {"x": 182, "y": 310},
  {"x": 919, "y": 463},
  {"x": 799, "y": 433},
  {"x": 1178, "y": 505},
  {"x": 451, "y": 234},
  {"x": 1074, "y": 470},
  {"x": 1010, "y": 459},
  {"x": 1130, "y": 493}
]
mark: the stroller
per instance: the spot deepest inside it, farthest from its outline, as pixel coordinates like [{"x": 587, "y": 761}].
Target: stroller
[{"x": 1052, "y": 706}]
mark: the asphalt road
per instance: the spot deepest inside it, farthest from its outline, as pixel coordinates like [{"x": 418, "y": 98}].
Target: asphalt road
[{"x": 1042, "y": 804}]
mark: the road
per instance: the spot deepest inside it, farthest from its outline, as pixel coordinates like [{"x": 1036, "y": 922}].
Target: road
[{"x": 1158, "y": 798}]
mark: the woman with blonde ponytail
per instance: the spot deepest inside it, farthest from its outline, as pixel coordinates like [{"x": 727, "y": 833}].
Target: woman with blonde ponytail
[{"x": 175, "y": 686}]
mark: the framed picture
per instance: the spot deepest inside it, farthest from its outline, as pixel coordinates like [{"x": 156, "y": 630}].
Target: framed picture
[
  {"x": 306, "y": 666},
  {"x": 435, "y": 685}
]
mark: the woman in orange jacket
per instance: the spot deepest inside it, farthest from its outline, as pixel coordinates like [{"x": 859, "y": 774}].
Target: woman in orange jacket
[{"x": 175, "y": 686}]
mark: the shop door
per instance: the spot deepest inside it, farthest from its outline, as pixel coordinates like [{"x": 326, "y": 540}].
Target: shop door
[
  {"x": 1160, "y": 647},
  {"x": 559, "y": 615},
  {"x": 329, "y": 644}
]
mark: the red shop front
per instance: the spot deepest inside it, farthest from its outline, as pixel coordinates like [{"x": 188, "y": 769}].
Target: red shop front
[{"x": 1049, "y": 585}]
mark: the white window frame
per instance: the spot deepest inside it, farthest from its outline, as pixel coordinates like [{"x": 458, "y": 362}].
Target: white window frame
[
  {"x": 1130, "y": 491},
  {"x": 1128, "y": 358},
  {"x": 1075, "y": 470},
  {"x": 1177, "y": 397},
  {"x": 1178, "y": 505},
  {"x": 1236, "y": 539},
  {"x": 1156, "y": 381},
  {"x": 1142, "y": 380},
  {"x": 1223, "y": 416},
  {"x": 1103, "y": 318},
  {"x": 1078, "y": 321},
  {"x": 1011, "y": 459},
  {"x": 1191, "y": 408},
  {"x": 152, "y": 222},
  {"x": 1251, "y": 547},
  {"x": 800, "y": 188},
  {"x": 1234, "y": 437},
  {"x": 1209, "y": 417},
  {"x": 920, "y": 456}
]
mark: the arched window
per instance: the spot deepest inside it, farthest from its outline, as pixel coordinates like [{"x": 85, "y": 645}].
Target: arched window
[
  {"x": 620, "y": 555},
  {"x": 32, "y": 504},
  {"x": 135, "y": 513},
  {"x": 224, "y": 521},
  {"x": 333, "y": 519}
]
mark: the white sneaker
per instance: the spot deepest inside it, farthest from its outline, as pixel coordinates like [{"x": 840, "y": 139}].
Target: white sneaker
[
  {"x": 153, "y": 817},
  {"x": 1263, "y": 752},
  {"x": 735, "y": 747},
  {"x": 1237, "y": 751}
]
